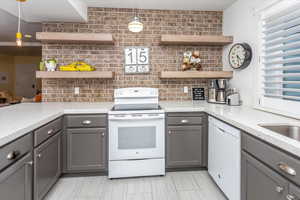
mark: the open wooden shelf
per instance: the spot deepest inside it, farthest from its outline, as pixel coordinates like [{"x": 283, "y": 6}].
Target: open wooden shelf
[
  {"x": 216, "y": 40},
  {"x": 63, "y": 74},
  {"x": 77, "y": 38},
  {"x": 196, "y": 74}
]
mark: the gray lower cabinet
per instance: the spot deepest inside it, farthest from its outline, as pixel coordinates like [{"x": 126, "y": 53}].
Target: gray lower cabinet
[
  {"x": 184, "y": 147},
  {"x": 268, "y": 172},
  {"x": 86, "y": 149},
  {"x": 186, "y": 140},
  {"x": 260, "y": 182},
  {"x": 16, "y": 181},
  {"x": 47, "y": 168}
]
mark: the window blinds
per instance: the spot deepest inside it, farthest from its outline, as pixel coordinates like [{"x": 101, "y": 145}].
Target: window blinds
[{"x": 281, "y": 54}]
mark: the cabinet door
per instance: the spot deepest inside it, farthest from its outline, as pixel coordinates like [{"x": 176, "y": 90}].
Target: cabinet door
[
  {"x": 184, "y": 146},
  {"x": 294, "y": 193},
  {"x": 86, "y": 149},
  {"x": 260, "y": 182},
  {"x": 16, "y": 181},
  {"x": 47, "y": 166}
]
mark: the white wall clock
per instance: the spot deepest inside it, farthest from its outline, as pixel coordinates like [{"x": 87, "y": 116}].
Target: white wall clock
[{"x": 240, "y": 56}]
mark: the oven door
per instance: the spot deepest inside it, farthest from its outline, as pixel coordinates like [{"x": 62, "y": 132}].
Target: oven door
[{"x": 136, "y": 136}]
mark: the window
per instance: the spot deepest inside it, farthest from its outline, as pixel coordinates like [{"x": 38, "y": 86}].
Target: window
[{"x": 280, "y": 88}]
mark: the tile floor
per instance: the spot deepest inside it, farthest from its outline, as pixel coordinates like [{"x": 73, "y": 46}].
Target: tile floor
[{"x": 192, "y": 185}]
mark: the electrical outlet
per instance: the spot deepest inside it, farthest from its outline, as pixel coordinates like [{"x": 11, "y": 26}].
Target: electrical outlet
[
  {"x": 185, "y": 89},
  {"x": 76, "y": 90}
]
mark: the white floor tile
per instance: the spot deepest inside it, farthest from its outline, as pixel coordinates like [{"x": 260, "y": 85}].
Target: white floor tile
[
  {"x": 184, "y": 181},
  {"x": 195, "y": 185}
]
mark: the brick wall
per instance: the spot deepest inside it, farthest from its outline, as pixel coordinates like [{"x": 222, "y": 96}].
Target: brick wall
[{"x": 111, "y": 57}]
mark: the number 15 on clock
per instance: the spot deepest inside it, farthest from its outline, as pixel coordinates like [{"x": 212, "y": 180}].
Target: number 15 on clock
[{"x": 136, "y": 56}]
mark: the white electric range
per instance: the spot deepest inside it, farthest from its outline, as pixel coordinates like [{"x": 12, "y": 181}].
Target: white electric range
[{"x": 136, "y": 134}]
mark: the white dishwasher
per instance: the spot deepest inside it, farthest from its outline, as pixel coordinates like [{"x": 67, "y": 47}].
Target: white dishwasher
[{"x": 224, "y": 157}]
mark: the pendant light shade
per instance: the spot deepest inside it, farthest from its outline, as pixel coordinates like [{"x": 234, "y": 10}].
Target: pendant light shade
[
  {"x": 19, "y": 33},
  {"x": 135, "y": 25}
]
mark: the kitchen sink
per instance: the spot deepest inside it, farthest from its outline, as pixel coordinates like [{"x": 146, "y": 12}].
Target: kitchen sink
[{"x": 286, "y": 130}]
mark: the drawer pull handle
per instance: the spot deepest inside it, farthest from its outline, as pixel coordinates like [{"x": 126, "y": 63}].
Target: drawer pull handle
[
  {"x": 86, "y": 122},
  {"x": 12, "y": 155},
  {"x": 184, "y": 121},
  {"x": 279, "y": 189},
  {"x": 287, "y": 169},
  {"x": 290, "y": 197},
  {"x": 30, "y": 163},
  {"x": 50, "y": 132},
  {"x": 222, "y": 130}
]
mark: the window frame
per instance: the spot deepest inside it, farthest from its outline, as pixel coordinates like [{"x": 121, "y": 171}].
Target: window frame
[{"x": 275, "y": 105}]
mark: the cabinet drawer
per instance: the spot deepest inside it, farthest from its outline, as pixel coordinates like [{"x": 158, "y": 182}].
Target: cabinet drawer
[
  {"x": 43, "y": 133},
  {"x": 78, "y": 121},
  {"x": 15, "y": 150},
  {"x": 185, "y": 120},
  {"x": 283, "y": 163}
]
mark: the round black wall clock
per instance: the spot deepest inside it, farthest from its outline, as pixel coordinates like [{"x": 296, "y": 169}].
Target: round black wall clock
[{"x": 240, "y": 56}]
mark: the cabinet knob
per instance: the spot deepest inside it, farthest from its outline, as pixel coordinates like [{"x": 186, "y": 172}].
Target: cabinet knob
[
  {"x": 290, "y": 197},
  {"x": 103, "y": 134},
  {"x": 12, "y": 155},
  {"x": 287, "y": 169},
  {"x": 170, "y": 132},
  {"x": 39, "y": 155},
  {"x": 50, "y": 132},
  {"x": 279, "y": 189},
  {"x": 86, "y": 122}
]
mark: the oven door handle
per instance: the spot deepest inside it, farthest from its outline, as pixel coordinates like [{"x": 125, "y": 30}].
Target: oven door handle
[{"x": 134, "y": 118}]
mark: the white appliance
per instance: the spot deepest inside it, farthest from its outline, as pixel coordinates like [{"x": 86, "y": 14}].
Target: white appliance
[
  {"x": 224, "y": 157},
  {"x": 136, "y": 98},
  {"x": 136, "y": 134}
]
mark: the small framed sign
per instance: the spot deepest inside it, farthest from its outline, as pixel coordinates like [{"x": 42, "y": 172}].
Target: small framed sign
[
  {"x": 136, "y": 60},
  {"x": 198, "y": 94}
]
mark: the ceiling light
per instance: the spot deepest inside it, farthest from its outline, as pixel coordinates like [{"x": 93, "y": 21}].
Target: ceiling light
[{"x": 135, "y": 25}]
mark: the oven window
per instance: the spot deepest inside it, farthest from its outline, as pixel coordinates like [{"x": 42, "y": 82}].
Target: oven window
[{"x": 137, "y": 137}]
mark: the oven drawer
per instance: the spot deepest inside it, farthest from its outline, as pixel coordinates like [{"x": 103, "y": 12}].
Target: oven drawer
[
  {"x": 86, "y": 121},
  {"x": 45, "y": 132}
]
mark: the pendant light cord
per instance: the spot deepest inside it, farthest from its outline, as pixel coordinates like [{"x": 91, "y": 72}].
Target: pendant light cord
[{"x": 19, "y": 19}]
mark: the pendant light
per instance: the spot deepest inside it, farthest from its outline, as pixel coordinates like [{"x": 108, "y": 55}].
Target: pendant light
[
  {"x": 135, "y": 25},
  {"x": 19, "y": 34}
]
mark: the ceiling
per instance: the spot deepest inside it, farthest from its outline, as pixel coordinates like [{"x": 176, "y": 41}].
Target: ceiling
[
  {"x": 51, "y": 10},
  {"x": 163, "y": 4},
  {"x": 8, "y": 26},
  {"x": 38, "y": 11}
]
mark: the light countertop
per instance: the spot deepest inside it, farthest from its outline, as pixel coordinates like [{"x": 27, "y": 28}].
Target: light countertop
[{"x": 17, "y": 120}]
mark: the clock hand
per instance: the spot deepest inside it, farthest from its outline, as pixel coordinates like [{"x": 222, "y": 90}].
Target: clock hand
[{"x": 238, "y": 59}]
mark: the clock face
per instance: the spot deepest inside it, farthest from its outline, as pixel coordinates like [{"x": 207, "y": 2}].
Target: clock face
[{"x": 240, "y": 56}]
